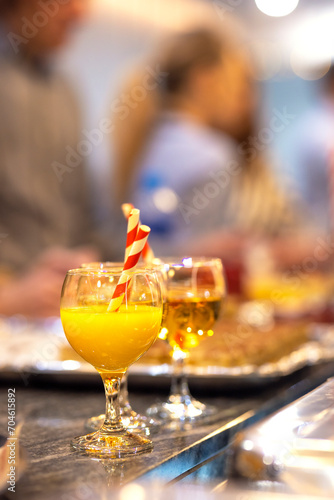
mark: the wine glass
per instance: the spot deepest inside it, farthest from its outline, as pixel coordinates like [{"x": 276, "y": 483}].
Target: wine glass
[
  {"x": 111, "y": 341},
  {"x": 131, "y": 420},
  {"x": 195, "y": 290}
]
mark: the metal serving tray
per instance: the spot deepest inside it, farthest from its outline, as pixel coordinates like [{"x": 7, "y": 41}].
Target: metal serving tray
[{"x": 33, "y": 349}]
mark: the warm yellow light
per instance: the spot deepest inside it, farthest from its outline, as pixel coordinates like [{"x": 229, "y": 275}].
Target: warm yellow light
[
  {"x": 163, "y": 334},
  {"x": 131, "y": 491}
]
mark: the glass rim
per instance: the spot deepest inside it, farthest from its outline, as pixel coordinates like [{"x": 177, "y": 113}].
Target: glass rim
[
  {"x": 189, "y": 261},
  {"x": 96, "y": 263},
  {"x": 108, "y": 264},
  {"x": 112, "y": 270}
]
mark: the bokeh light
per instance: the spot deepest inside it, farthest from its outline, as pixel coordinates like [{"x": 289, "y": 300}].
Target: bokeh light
[
  {"x": 276, "y": 8},
  {"x": 313, "y": 46},
  {"x": 165, "y": 200},
  {"x": 311, "y": 59},
  {"x": 131, "y": 491}
]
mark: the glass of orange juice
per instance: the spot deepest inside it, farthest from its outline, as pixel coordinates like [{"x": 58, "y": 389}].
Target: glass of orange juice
[
  {"x": 111, "y": 341},
  {"x": 133, "y": 421}
]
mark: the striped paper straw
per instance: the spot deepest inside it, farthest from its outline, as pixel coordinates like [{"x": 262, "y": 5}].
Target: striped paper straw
[
  {"x": 130, "y": 264},
  {"x": 148, "y": 254},
  {"x": 133, "y": 224}
]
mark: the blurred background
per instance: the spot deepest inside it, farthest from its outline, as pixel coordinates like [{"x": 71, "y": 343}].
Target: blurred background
[
  {"x": 292, "y": 43},
  {"x": 214, "y": 117}
]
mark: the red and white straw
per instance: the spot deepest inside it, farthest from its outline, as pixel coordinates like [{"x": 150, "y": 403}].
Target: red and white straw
[
  {"x": 129, "y": 266},
  {"x": 148, "y": 254},
  {"x": 133, "y": 224}
]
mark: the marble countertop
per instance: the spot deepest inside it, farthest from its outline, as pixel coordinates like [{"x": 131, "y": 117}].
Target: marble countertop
[{"x": 48, "y": 416}]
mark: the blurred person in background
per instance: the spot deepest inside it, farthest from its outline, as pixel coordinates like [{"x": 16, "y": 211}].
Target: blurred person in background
[
  {"x": 184, "y": 158},
  {"x": 310, "y": 157},
  {"x": 46, "y": 224}
]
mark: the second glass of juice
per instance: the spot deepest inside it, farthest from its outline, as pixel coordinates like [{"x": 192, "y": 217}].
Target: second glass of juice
[{"x": 195, "y": 291}]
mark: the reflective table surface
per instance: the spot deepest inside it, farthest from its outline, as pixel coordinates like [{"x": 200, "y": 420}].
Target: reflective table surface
[{"x": 48, "y": 416}]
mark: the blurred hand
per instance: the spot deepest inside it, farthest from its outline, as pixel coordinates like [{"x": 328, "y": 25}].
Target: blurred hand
[
  {"x": 36, "y": 293},
  {"x": 62, "y": 259},
  {"x": 222, "y": 243}
]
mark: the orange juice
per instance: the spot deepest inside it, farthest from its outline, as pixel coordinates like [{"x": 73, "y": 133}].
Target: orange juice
[{"x": 111, "y": 341}]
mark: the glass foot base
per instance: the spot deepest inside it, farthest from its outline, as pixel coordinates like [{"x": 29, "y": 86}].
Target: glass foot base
[
  {"x": 177, "y": 408},
  {"x": 131, "y": 420},
  {"x": 112, "y": 445}
]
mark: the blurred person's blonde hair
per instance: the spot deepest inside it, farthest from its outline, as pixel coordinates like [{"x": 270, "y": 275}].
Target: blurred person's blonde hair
[{"x": 182, "y": 55}]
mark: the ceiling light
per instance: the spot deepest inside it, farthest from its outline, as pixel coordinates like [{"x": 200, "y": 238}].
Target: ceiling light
[{"x": 276, "y": 8}]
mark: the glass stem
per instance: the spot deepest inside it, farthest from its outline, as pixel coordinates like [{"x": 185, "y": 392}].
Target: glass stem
[
  {"x": 179, "y": 387},
  {"x": 124, "y": 393},
  {"x": 112, "y": 422}
]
